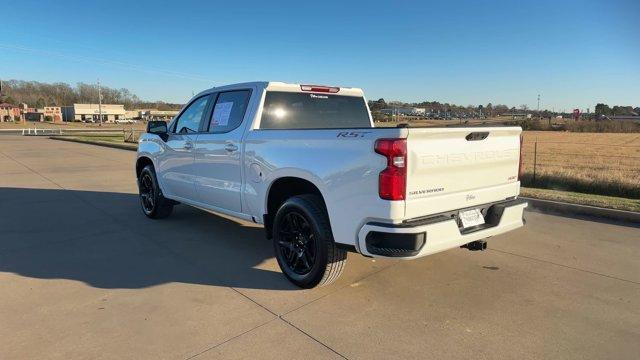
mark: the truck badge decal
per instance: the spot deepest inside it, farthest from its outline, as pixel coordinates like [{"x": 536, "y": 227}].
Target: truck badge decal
[
  {"x": 469, "y": 158},
  {"x": 352, "y": 134},
  {"x": 425, "y": 191}
]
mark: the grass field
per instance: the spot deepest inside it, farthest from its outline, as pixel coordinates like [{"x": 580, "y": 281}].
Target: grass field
[
  {"x": 111, "y": 141},
  {"x": 598, "y": 163},
  {"x": 114, "y": 139},
  {"x": 612, "y": 202},
  {"x": 70, "y": 125}
]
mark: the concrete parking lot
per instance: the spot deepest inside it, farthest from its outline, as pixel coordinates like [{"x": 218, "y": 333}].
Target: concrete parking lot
[{"x": 83, "y": 274}]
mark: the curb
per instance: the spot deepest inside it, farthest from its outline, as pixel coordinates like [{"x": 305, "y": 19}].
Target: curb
[
  {"x": 576, "y": 209},
  {"x": 98, "y": 143}
]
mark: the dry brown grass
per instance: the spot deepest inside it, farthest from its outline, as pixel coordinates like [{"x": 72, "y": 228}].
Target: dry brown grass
[{"x": 598, "y": 163}]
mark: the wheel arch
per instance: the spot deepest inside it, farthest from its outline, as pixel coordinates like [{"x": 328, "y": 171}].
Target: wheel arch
[
  {"x": 141, "y": 163},
  {"x": 280, "y": 190}
]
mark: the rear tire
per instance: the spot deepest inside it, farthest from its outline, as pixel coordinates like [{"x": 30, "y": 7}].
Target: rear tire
[
  {"x": 153, "y": 204},
  {"x": 304, "y": 245}
]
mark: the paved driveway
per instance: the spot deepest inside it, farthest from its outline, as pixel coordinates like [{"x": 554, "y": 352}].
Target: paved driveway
[{"x": 83, "y": 274}]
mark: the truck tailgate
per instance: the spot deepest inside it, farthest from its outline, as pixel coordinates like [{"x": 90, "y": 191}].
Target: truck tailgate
[{"x": 455, "y": 168}]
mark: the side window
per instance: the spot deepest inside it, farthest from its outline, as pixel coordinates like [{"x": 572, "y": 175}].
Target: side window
[
  {"x": 229, "y": 110},
  {"x": 189, "y": 120}
]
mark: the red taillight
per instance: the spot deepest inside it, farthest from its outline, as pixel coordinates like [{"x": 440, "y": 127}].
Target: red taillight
[
  {"x": 319, "y": 88},
  {"x": 392, "y": 183},
  {"x": 520, "y": 167}
]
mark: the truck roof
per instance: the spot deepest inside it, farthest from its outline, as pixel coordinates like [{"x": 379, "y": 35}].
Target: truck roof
[{"x": 282, "y": 86}]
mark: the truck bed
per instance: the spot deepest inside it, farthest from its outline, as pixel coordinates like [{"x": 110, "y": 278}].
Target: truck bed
[{"x": 445, "y": 171}]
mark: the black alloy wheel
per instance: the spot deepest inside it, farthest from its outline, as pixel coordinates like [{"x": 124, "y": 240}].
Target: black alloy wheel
[
  {"x": 303, "y": 242},
  {"x": 297, "y": 243},
  {"x": 154, "y": 205},
  {"x": 147, "y": 193}
]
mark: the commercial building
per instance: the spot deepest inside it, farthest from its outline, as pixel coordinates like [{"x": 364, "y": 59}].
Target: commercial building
[
  {"x": 516, "y": 115},
  {"x": 9, "y": 111},
  {"x": 53, "y": 112},
  {"x": 33, "y": 116},
  {"x": 132, "y": 114},
  {"x": 93, "y": 112},
  {"x": 158, "y": 114},
  {"x": 625, "y": 117},
  {"x": 150, "y": 114}
]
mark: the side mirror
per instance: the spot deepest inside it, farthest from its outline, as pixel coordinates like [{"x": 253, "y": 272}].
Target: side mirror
[{"x": 158, "y": 128}]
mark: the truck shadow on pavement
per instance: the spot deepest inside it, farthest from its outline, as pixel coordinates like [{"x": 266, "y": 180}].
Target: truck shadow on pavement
[{"x": 104, "y": 240}]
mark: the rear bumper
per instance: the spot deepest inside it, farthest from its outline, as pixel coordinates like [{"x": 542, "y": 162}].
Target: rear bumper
[{"x": 437, "y": 233}]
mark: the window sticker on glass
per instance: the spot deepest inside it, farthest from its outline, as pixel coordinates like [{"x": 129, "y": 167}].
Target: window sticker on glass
[{"x": 221, "y": 113}]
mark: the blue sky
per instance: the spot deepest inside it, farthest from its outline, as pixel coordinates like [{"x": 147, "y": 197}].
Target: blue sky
[{"x": 573, "y": 53}]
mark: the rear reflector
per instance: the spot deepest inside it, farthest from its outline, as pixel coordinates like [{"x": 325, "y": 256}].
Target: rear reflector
[
  {"x": 392, "y": 182},
  {"x": 319, "y": 88}
]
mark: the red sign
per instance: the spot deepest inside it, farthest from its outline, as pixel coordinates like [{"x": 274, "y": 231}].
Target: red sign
[{"x": 576, "y": 113}]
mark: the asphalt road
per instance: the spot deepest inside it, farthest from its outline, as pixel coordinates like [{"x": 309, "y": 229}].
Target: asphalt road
[{"x": 83, "y": 274}]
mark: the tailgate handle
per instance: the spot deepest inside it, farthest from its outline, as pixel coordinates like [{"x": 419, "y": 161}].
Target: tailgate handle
[{"x": 475, "y": 136}]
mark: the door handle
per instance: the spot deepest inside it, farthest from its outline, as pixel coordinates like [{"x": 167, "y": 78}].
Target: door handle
[
  {"x": 188, "y": 145},
  {"x": 230, "y": 147}
]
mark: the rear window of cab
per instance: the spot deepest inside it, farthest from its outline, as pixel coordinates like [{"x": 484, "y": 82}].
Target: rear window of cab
[{"x": 292, "y": 110}]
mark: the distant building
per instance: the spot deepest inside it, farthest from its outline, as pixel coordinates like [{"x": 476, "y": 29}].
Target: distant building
[
  {"x": 624, "y": 117},
  {"x": 132, "y": 114},
  {"x": 516, "y": 115},
  {"x": 8, "y": 112},
  {"x": 55, "y": 112},
  {"x": 158, "y": 114},
  {"x": 150, "y": 114},
  {"x": 409, "y": 111},
  {"x": 33, "y": 116},
  {"x": 94, "y": 113}
]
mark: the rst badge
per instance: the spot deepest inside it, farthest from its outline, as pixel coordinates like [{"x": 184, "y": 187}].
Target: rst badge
[{"x": 352, "y": 134}]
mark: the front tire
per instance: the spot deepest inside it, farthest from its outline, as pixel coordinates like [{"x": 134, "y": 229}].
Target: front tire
[
  {"x": 154, "y": 205},
  {"x": 304, "y": 245}
]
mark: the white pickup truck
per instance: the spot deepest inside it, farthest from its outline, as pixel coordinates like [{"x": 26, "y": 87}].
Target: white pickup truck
[{"x": 307, "y": 162}]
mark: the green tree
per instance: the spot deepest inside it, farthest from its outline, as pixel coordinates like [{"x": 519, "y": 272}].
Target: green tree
[
  {"x": 622, "y": 110},
  {"x": 377, "y": 105},
  {"x": 489, "y": 109},
  {"x": 603, "y": 110}
]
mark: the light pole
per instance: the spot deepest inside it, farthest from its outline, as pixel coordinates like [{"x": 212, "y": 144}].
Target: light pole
[{"x": 99, "y": 103}]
